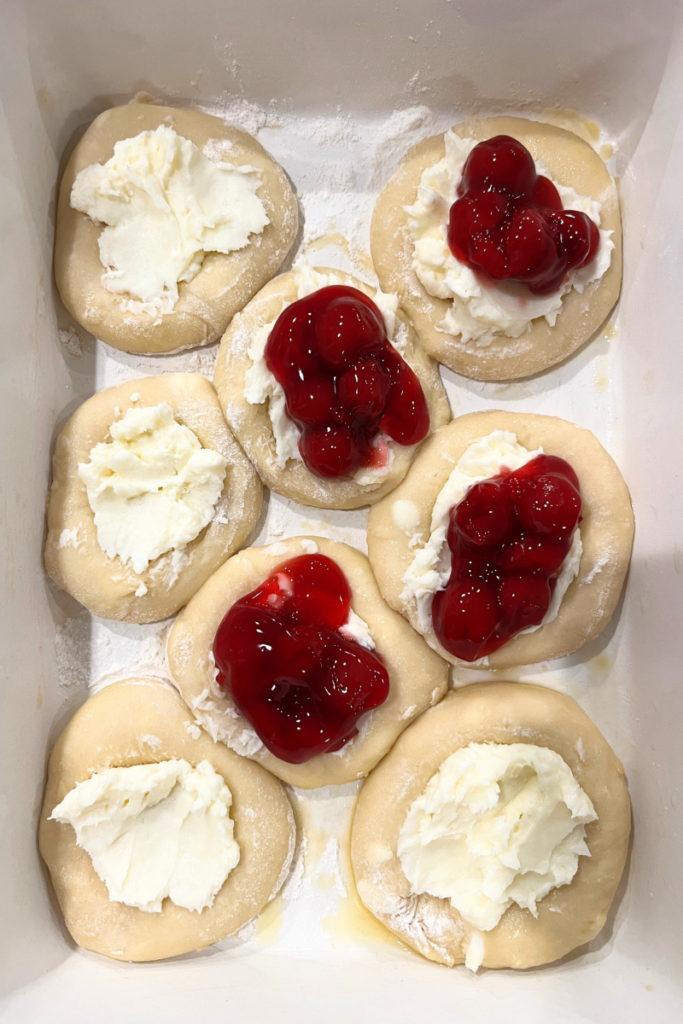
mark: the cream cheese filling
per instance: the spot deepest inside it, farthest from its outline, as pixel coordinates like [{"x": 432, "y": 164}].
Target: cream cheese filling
[
  {"x": 152, "y": 488},
  {"x": 155, "y": 831},
  {"x": 165, "y": 205},
  {"x": 497, "y": 824}
]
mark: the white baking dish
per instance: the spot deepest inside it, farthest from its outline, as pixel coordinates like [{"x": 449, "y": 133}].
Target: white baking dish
[{"x": 321, "y": 83}]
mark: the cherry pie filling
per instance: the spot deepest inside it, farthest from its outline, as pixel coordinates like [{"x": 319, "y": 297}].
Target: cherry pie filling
[
  {"x": 508, "y": 222},
  {"x": 344, "y": 382},
  {"x": 280, "y": 655},
  {"x": 508, "y": 538}
]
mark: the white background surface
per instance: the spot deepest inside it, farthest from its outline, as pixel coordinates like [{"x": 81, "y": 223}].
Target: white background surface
[{"x": 337, "y": 93}]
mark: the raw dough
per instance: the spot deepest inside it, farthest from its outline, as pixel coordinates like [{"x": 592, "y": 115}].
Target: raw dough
[
  {"x": 225, "y": 282},
  {"x": 141, "y": 721},
  {"x": 493, "y": 713},
  {"x": 418, "y": 677},
  {"x": 73, "y": 556},
  {"x": 572, "y": 162},
  {"x": 252, "y": 425},
  {"x": 606, "y": 530}
]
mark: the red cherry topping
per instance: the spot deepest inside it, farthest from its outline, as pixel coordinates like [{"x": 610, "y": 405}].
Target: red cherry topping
[
  {"x": 346, "y": 329},
  {"x": 509, "y": 223},
  {"x": 466, "y": 613},
  {"x": 344, "y": 382},
  {"x": 543, "y": 464},
  {"x": 524, "y": 601},
  {"x": 533, "y": 554},
  {"x": 484, "y": 516},
  {"x": 363, "y": 389},
  {"x": 500, "y": 164},
  {"x": 330, "y": 451},
  {"x": 547, "y": 501},
  {"x": 546, "y": 195},
  {"x": 508, "y": 538},
  {"x": 310, "y": 400},
  {"x": 300, "y": 683}
]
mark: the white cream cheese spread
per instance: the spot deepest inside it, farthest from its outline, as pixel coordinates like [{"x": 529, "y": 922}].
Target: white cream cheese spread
[
  {"x": 261, "y": 386},
  {"x": 165, "y": 206},
  {"x": 357, "y": 629},
  {"x": 154, "y": 831},
  {"x": 152, "y": 488},
  {"x": 430, "y": 568},
  {"x": 497, "y": 824},
  {"x": 479, "y": 312}
]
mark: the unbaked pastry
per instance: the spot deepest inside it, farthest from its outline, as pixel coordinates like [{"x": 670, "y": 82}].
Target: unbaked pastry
[
  {"x": 571, "y": 162},
  {"x": 143, "y": 721},
  {"x": 606, "y": 531},
  {"x": 493, "y": 713},
  {"x": 225, "y": 282},
  {"x": 252, "y": 425},
  {"x": 418, "y": 677},
  {"x": 73, "y": 556}
]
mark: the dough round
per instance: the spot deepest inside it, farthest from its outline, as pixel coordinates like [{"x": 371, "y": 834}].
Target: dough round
[
  {"x": 606, "y": 530},
  {"x": 75, "y": 560},
  {"x": 418, "y": 678},
  {"x": 493, "y": 713},
  {"x": 571, "y": 162},
  {"x": 225, "y": 282},
  {"x": 252, "y": 425},
  {"x": 143, "y": 721}
]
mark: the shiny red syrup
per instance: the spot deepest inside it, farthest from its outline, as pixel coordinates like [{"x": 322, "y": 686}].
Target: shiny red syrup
[
  {"x": 290, "y": 672},
  {"x": 509, "y": 222},
  {"x": 508, "y": 538},
  {"x": 344, "y": 382}
]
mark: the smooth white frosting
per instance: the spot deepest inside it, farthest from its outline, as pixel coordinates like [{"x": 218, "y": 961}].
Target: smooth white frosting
[
  {"x": 165, "y": 206},
  {"x": 430, "y": 568},
  {"x": 480, "y": 312},
  {"x": 152, "y": 488},
  {"x": 155, "y": 831},
  {"x": 497, "y": 824},
  {"x": 261, "y": 386}
]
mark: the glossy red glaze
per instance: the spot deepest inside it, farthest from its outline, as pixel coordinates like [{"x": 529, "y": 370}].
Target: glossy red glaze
[
  {"x": 508, "y": 538},
  {"x": 509, "y": 223},
  {"x": 290, "y": 672},
  {"x": 344, "y": 382}
]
